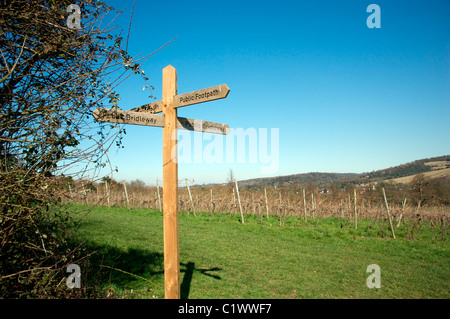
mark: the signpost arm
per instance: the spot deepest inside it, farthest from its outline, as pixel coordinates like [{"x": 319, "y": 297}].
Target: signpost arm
[{"x": 170, "y": 186}]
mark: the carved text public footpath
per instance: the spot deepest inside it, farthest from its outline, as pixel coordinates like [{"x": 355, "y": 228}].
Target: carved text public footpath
[{"x": 197, "y": 97}]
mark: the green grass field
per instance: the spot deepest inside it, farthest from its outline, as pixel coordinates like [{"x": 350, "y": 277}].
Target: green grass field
[{"x": 222, "y": 258}]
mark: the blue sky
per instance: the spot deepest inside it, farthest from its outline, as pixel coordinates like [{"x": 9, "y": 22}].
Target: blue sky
[{"x": 344, "y": 97}]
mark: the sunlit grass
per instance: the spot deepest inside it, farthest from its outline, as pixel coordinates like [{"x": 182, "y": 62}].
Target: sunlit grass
[{"x": 222, "y": 258}]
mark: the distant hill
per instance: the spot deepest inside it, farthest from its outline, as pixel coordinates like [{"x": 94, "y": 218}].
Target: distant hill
[
  {"x": 315, "y": 177},
  {"x": 432, "y": 167},
  {"x": 438, "y": 169},
  {"x": 410, "y": 169}
]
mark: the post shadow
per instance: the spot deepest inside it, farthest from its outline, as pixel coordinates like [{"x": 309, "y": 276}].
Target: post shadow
[{"x": 188, "y": 272}]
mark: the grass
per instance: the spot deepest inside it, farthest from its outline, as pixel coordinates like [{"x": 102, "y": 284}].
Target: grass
[{"x": 222, "y": 258}]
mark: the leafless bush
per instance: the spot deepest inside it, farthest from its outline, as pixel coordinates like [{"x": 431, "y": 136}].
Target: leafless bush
[{"x": 52, "y": 77}]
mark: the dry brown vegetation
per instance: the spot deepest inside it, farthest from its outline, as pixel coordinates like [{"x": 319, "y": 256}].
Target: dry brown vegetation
[{"x": 403, "y": 207}]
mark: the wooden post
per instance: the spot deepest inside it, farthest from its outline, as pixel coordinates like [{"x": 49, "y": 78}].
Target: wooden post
[
  {"x": 108, "y": 193},
  {"x": 267, "y": 206},
  {"x": 126, "y": 195},
  {"x": 234, "y": 203},
  {"x": 239, "y": 201},
  {"x": 170, "y": 186},
  {"x": 403, "y": 210},
  {"x": 356, "y": 218},
  {"x": 349, "y": 203},
  {"x": 389, "y": 215},
  {"x": 159, "y": 196},
  {"x": 84, "y": 193},
  {"x": 280, "y": 208},
  {"x": 170, "y": 122},
  {"x": 190, "y": 197},
  {"x": 253, "y": 204},
  {"x": 211, "y": 208},
  {"x": 261, "y": 212},
  {"x": 304, "y": 203}
]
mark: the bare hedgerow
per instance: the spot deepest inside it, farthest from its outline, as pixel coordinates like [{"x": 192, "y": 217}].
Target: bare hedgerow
[{"x": 52, "y": 77}]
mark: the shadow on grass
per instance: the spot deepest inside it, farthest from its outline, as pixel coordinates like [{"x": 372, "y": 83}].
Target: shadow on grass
[
  {"x": 125, "y": 269},
  {"x": 135, "y": 268}
]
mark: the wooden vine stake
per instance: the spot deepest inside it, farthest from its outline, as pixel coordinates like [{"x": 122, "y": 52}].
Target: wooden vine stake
[
  {"x": 304, "y": 203},
  {"x": 239, "y": 201},
  {"x": 190, "y": 197},
  {"x": 126, "y": 195},
  {"x": 403, "y": 210},
  {"x": 170, "y": 123},
  {"x": 108, "y": 193},
  {"x": 356, "y": 217},
  {"x": 389, "y": 215},
  {"x": 267, "y": 206},
  {"x": 159, "y": 196},
  {"x": 211, "y": 209}
]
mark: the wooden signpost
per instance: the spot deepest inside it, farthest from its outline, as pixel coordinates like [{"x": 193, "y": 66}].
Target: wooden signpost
[
  {"x": 145, "y": 115},
  {"x": 139, "y": 118}
]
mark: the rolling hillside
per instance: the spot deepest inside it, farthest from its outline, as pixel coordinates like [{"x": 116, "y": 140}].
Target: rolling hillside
[
  {"x": 438, "y": 170},
  {"x": 436, "y": 167},
  {"x": 315, "y": 177}
]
